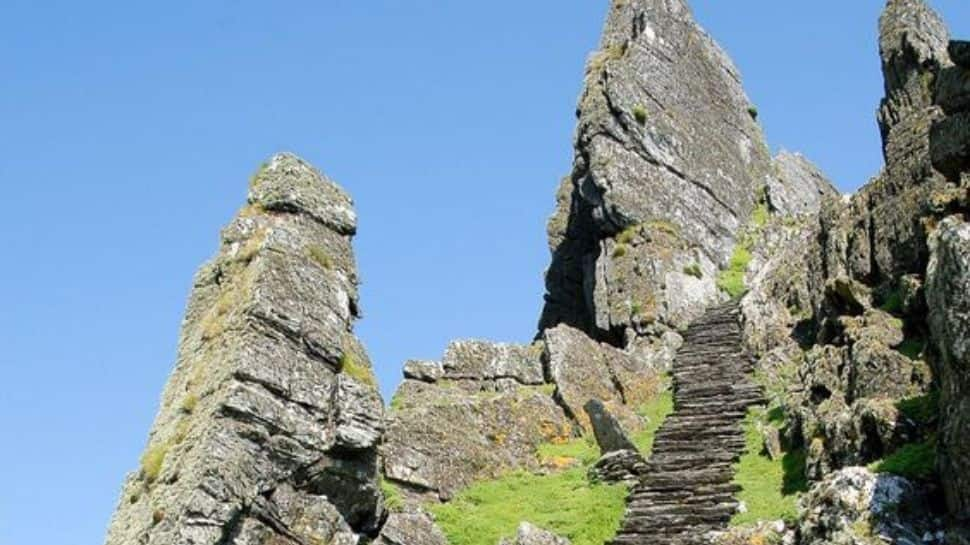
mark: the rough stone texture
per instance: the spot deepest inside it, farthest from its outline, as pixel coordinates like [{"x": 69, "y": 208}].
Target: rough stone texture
[
  {"x": 425, "y": 371},
  {"x": 854, "y": 506},
  {"x": 529, "y": 534},
  {"x": 583, "y": 369},
  {"x": 798, "y": 186},
  {"x": 665, "y": 145},
  {"x": 618, "y": 466},
  {"x": 609, "y": 434},
  {"x": 414, "y": 527},
  {"x": 269, "y": 423},
  {"x": 948, "y": 295},
  {"x": 759, "y": 533},
  {"x": 486, "y": 414}
]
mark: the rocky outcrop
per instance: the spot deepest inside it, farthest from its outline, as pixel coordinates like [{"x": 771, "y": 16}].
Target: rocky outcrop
[
  {"x": 797, "y": 187},
  {"x": 668, "y": 163},
  {"x": 854, "y": 506},
  {"x": 412, "y": 527},
  {"x": 270, "y": 421},
  {"x": 948, "y": 295}
]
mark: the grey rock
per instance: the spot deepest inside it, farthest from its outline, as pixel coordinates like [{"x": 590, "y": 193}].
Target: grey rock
[
  {"x": 425, "y": 371},
  {"x": 798, "y": 186},
  {"x": 528, "y": 534},
  {"x": 665, "y": 145},
  {"x": 609, "y": 434},
  {"x": 619, "y": 466},
  {"x": 271, "y": 415},
  {"x": 487, "y": 361},
  {"x": 948, "y": 295},
  {"x": 414, "y": 527},
  {"x": 857, "y": 507}
]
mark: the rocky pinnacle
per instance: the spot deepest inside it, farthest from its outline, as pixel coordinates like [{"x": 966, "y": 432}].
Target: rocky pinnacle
[{"x": 269, "y": 423}]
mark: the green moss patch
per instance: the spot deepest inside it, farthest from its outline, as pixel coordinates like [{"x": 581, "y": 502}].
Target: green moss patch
[
  {"x": 731, "y": 280},
  {"x": 356, "y": 370},
  {"x": 915, "y": 461}
]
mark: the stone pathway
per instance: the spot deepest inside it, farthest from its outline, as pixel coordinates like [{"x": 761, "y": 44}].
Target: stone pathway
[{"x": 687, "y": 490}]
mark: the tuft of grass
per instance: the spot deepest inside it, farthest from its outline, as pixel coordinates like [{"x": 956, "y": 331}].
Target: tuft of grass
[
  {"x": 769, "y": 488},
  {"x": 152, "y": 461},
  {"x": 393, "y": 498},
  {"x": 356, "y": 370},
  {"x": 598, "y": 60},
  {"x": 189, "y": 403},
  {"x": 319, "y": 256},
  {"x": 654, "y": 413},
  {"x": 753, "y": 112},
  {"x": 694, "y": 270},
  {"x": 912, "y": 348},
  {"x": 620, "y": 250},
  {"x": 731, "y": 280},
  {"x": 924, "y": 409},
  {"x": 627, "y": 235},
  {"x": 640, "y": 114},
  {"x": 760, "y": 215},
  {"x": 664, "y": 226},
  {"x": 893, "y": 302},
  {"x": 915, "y": 461},
  {"x": 564, "y": 503}
]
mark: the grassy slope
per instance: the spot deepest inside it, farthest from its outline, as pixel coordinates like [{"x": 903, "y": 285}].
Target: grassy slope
[{"x": 564, "y": 502}]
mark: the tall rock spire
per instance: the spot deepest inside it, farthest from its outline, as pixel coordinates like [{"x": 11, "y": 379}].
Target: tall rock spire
[
  {"x": 668, "y": 154},
  {"x": 269, "y": 423}
]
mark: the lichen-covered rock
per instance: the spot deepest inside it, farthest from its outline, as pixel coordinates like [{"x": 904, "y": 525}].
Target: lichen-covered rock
[
  {"x": 761, "y": 533},
  {"x": 668, "y": 162},
  {"x": 529, "y": 534},
  {"x": 270, "y": 421},
  {"x": 854, "y": 506},
  {"x": 798, "y": 186},
  {"x": 583, "y": 369},
  {"x": 619, "y": 466},
  {"x": 425, "y": 371},
  {"x": 486, "y": 414},
  {"x": 411, "y": 527},
  {"x": 948, "y": 295},
  {"x": 610, "y": 435}
]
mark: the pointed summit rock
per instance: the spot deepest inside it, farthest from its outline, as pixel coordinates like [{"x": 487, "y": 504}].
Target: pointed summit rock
[
  {"x": 269, "y": 423},
  {"x": 669, "y": 160}
]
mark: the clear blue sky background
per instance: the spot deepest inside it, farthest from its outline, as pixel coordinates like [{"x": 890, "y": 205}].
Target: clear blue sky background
[{"x": 129, "y": 130}]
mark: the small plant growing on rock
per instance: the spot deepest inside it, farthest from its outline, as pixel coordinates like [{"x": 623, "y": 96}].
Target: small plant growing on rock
[
  {"x": 189, "y": 403},
  {"x": 694, "y": 270},
  {"x": 393, "y": 498},
  {"x": 152, "y": 461},
  {"x": 319, "y": 256},
  {"x": 354, "y": 369},
  {"x": 753, "y": 112},
  {"x": 620, "y": 250},
  {"x": 627, "y": 235},
  {"x": 640, "y": 114}
]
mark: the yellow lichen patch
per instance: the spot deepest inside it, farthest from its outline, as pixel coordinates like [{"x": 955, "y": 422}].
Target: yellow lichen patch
[
  {"x": 189, "y": 403},
  {"x": 319, "y": 255}
]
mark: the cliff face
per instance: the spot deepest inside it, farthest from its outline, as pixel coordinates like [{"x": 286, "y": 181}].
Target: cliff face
[
  {"x": 669, "y": 164},
  {"x": 269, "y": 423}
]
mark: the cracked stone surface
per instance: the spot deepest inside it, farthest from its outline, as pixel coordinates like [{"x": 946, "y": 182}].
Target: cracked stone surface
[
  {"x": 269, "y": 423},
  {"x": 667, "y": 143}
]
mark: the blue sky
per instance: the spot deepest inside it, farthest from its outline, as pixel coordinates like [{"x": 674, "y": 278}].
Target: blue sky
[{"x": 129, "y": 131}]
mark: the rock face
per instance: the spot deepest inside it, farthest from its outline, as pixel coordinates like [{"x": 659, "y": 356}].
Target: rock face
[
  {"x": 857, "y": 507},
  {"x": 410, "y": 528},
  {"x": 948, "y": 294},
  {"x": 668, "y": 163},
  {"x": 798, "y": 186},
  {"x": 269, "y": 424}
]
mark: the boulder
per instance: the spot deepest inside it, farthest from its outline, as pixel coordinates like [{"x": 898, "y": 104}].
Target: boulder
[
  {"x": 413, "y": 527},
  {"x": 619, "y": 466},
  {"x": 529, "y": 534},
  {"x": 425, "y": 371},
  {"x": 609, "y": 434},
  {"x": 798, "y": 186},
  {"x": 854, "y": 506}
]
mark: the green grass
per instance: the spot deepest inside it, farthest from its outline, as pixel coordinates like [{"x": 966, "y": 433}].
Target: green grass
[
  {"x": 393, "y": 498},
  {"x": 620, "y": 250},
  {"x": 769, "y": 488},
  {"x": 654, "y": 414},
  {"x": 924, "y": 409},
  {"x": 760, "y": 215},
  {"x": 627, "y": 235},
  {"x": 694, "y": 270},
  {"x": 319, "y": 256},
  {"x": 564, "y": 503},
  {"x": 731, "y": 280},
  {"x": 893, "y": 303},
  {"x": 916, "y": 461},
  {"x": 912, "y": 348},
  {"x": 582, "y": 449},
  {"x": 153, "y": 459},
  {"x": 640, "y": 114},
  {"x": 354, "y": 369},
  {"x": 753, "y": 112}
]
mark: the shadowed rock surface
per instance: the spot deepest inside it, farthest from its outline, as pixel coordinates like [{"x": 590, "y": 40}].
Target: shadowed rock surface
[{"x": 269, "y": 424}]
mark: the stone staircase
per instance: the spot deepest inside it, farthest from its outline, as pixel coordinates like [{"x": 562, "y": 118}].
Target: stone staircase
[{"x": 687, "y": 491}]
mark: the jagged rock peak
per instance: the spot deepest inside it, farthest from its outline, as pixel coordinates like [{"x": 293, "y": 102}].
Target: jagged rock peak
[
  {"x": 269, "y": 423},
  {"x": 668, "y": 152}
]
